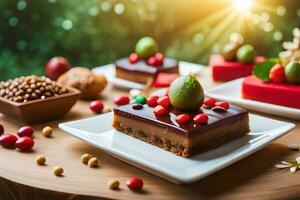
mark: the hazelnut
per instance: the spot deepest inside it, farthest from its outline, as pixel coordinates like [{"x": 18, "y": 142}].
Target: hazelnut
[
  {"x": 93, "y": 162},
  {"x": 40, "y": 160},
  {"x": 113, "y": 184},
  {"x": 47, "y": 131},
  {"x": 58, "y": 171},
  {"x": 85, "y": 158}
]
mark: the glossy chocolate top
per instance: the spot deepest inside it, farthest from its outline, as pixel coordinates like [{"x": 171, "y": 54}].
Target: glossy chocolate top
[
  {"x": 220, "y": 118},
  {"x": 143, "y": 67}
]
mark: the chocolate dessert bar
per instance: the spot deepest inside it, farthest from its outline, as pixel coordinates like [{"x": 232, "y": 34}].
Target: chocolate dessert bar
[{"x": 185, "y": 139}]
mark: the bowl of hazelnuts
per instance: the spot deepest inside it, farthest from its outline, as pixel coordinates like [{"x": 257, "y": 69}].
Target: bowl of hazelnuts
[{"x": 33, "y": 99}]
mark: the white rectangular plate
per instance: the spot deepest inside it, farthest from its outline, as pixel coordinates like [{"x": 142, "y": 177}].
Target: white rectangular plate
[
  {"x": 109, "y": 71},
  {"x": 98, "y": 131},
  {"x": 231, "y": 92}
]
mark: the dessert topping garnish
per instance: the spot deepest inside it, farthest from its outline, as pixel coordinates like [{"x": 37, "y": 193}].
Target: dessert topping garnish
[
  {"x": 134, "y": 183},
  {"x": 137, "y": 106},
  {"x": 201, "y": 118},
  {"x": 159, "y": 110},
  {"x": 209, "y": 102},
  {"x": 220, "y": 106},
  {"x": 140, "y": 99},
  {"x": 133, "y": 58},
  {"x": 182, "y": 118},
  {"x": 151, "y": 101},
  {"x": 121, "y": 100},
  {"x": 277, "y": 74},
  {"x": 159, "y": 57},
  {"x": 164, "y": 101},
  {"x": 152, "y": 61},
  {"x": 96, "y": 106}
]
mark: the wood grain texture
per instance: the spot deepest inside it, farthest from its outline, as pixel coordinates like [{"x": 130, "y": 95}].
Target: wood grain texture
[{"x": 251, "y": 178}]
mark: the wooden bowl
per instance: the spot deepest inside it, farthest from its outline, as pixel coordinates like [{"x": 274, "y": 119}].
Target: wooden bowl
[{"x": 40, "y": 110}]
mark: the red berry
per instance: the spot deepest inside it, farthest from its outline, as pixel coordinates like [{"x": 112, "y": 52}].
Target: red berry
[
  {"x": 151, "y": 101},
  {"x": 1, "y": 129},
  {"x": 121, "y": 100},
  {"x": 210, "y": 102},
  {"x": 8, "y": 140},
  {"x": 159, "y": 58},
  {"x": 277, "y": 74},
  {"x": 96, "y": 106},
  {"x": 24, "y": 143},
  {"x": 133, "y": 58},
  {"x": 152, "y": 61},
  {"x": 201, "y": 118},
  {"x": 25, "y": 131},
  {"x": 160, "y": 110},
  {"x": 222, "y": 104},
  {"x": 164, "y": 101},
  {"x": 183, "y": 118},
  {"x": 134, "y": 183}
]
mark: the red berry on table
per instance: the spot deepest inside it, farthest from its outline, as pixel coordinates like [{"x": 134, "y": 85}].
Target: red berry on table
[
  {"x": 121, "y": 100},
  {"x": 159, "y": 58},
  {"x": 133, "y": 58},
  {"x": 8, "y": 140},
  {"x": 201, "y": 118},
  {"x": 1, "y": 129},
  {"x": 277, "y": 74},
  {"x": 183, "y": 118},
  {"x": 25, "y": 131},
  {"x": 222, "y": 104},
  {"x": 24, "y": 143},
  {"x": 210, "y": 102},
  {"x": 151, "y": 101},
  {"x": 164, "y": 101},
  {"x": 160, "y": 110},
  {"x": 152, "y": 61},
  {"x": 96, "y": 106},
  {"x": 56, "y": 66},
  {"x": 135, "y": 183}
]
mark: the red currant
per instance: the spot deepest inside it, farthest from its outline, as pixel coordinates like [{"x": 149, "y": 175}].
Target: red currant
[
  {"x": 277, "y": 74},
  {"x": 135, "y": 183},
  {"x": 201, "y": 118},
  {"x": 164, "y": 101},
  {"x": 151, "y": 101},
  {"x": 121, "y": 100},
  {"x": 183, "y": 118},
  {"x": 1, "y": 129},
  {"x": 96, "y": 106},
  {"x": 160, "y": 110},
  {"x": 133, "y": 58},
  {"x": 222, "y": 104},
  {"x": 25, "y": 131},
  {"x": 159, "y": 58},
  {"x": 210, "y": 102},
  {"x": 8, "y": 140},
  {"x": 152, "y": 61},
  {"x": 24, "y": 143}
]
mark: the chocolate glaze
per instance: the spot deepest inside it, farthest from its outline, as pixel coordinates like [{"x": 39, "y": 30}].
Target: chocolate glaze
[
  {"x": 143, "y": 67},
  {"x": 216, "y": 119}
]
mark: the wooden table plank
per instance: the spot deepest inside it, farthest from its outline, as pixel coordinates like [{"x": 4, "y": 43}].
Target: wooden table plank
[{"x": 251, "y": 178}]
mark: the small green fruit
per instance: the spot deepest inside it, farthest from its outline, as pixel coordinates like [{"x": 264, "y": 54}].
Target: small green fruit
[
  {"x": 229, "y": 51},
  {"x": 186, "y": 93},
  {"x": 292, "y": 72},
  {"x": 246, "y": 54},
  {"x": 146, "y": 47}
]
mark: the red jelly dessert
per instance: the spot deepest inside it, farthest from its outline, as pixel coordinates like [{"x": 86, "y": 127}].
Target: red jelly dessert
[
  {"x": 164, "y": 79},
  {"x": 223, "y": 70},
  {"x": 283, "y": 94}
]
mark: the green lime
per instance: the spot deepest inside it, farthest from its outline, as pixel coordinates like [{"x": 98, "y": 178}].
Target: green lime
[
  {"x": 292, "y": 72},
  {"x": 246, "y": 54},
  {"x": 140, "y": 99},
  {"x": 146, "y": 47},
  {"x": 186, "y": 93},
  {"x": 229, "y": 51}
]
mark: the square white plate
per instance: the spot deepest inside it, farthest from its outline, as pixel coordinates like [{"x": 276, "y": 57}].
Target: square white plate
[
  {"x": 109, "y": 71},
  {"x": 231, "y": 92},
  {"x": 98, "y": 131}
]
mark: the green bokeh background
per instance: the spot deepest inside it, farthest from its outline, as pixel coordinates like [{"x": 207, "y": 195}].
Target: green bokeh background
[{"x": 95, "y": 32}]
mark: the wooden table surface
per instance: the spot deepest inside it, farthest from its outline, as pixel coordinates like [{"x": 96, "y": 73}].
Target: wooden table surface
[{"x": 251, "y": 178}]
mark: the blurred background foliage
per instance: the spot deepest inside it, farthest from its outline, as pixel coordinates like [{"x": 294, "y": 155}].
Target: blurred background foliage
[{"x": 96, "y": 32}]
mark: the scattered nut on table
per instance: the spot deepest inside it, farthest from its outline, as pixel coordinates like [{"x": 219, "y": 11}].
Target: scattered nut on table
[
  {"x": 47, "y": 131},
  {"x": 40, "y": 160},
  {"x": 93, "y": 162},
  {"x": 85, "y": 158},
  {"x": 113, "y": 184},
  {"x": 58, "y": 171},
  {"x": 107, "y": 109}
]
